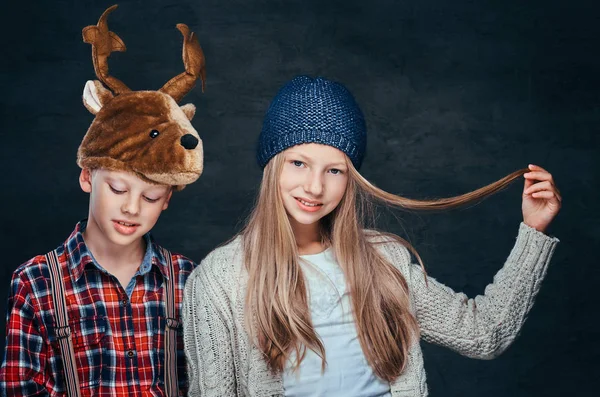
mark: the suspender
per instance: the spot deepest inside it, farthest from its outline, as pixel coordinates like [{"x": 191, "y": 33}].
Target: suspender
[
  {"x": 171, "y": 383},
  {"x": 63, "y": 332}
]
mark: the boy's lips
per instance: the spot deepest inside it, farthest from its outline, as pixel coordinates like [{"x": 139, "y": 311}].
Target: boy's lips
[{"x": 125, "y": 227}]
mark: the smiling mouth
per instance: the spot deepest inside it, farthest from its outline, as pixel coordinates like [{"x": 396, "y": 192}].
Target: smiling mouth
[
  {"x": 126, "y": 224},
  {"x": 308, "y": 204}
]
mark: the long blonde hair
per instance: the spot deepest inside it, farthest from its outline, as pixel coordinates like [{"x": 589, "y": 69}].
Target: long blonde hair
[{"x": 276, "y": 306}]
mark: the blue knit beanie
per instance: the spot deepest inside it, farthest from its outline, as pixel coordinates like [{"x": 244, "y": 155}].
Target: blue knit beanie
[{"x": 307, "y": 110}]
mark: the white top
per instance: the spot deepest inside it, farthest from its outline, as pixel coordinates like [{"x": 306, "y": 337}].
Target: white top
[
  {"x": 347, "y": 372},
  {"x": 223, "y": 360}
]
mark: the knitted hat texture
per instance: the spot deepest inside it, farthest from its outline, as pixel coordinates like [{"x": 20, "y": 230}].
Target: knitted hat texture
[{"x": 307, "y": 110}]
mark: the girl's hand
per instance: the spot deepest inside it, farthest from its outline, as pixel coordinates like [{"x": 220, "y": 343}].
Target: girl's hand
[{"x": 541, "y": 198}]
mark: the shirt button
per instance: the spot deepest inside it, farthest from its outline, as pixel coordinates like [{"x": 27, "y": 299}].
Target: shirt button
[
  {"x": 130, "y": 353},
  {"x": 124, "y": 302}
]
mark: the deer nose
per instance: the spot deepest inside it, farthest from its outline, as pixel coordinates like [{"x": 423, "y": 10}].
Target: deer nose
[{"x": 189, "y": 141}]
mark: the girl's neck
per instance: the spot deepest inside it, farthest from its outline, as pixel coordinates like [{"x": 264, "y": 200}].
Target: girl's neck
[{"x": 308, "y": 238}]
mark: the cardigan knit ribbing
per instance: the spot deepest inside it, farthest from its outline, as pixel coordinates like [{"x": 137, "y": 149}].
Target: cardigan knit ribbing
[{"x": 223, "y": 362}]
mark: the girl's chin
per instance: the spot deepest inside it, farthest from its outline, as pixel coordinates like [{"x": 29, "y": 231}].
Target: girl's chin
[
  {"x": 305, "y": 220},
  {"x": 306, "y": 223}
]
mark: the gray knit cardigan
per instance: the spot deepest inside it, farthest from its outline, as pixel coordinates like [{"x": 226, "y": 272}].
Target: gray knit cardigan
[{"x": 223, "y": 362}]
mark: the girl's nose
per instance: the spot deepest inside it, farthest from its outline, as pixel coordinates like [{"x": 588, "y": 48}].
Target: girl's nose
[{"x": 314, "y": 184}]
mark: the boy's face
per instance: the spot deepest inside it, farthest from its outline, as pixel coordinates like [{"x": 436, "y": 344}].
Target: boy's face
[{"x": 122, "y": 206}]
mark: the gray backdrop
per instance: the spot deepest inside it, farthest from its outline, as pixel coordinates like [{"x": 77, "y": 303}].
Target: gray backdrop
[{"x": 456, "y": 94}]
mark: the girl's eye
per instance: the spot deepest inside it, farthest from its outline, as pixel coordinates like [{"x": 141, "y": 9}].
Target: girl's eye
[
  {"x": 297, "y": 163},
  {"x": 335, "y": 171},
  {"x": 150, "y": 200},
  {"x": 115, "y": 191}
]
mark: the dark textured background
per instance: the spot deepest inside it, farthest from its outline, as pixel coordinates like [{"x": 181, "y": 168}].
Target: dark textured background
[{"x": 456, "y": 95}]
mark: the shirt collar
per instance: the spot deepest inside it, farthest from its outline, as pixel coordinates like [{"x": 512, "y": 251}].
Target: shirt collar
[{"x": 80, "y": 256}]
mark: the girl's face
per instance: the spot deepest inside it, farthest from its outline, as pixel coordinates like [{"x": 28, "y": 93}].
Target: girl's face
[{"x": 312, "y": 182}]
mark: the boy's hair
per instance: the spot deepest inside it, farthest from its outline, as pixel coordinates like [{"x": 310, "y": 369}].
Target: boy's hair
[{"x": 171, "y": 188}]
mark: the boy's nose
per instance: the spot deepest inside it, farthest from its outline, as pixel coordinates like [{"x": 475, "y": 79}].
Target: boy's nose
[
  {"x": 130, "y": 207},
  {"x": 189, "y": 141}
]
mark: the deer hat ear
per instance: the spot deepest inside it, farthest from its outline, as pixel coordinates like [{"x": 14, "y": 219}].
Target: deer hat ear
[
  {"x": 189, "y": 110},
  {"x": 95, "y": 96}
]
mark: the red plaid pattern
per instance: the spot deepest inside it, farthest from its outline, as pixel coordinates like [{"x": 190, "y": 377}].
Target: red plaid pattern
[{"x": 118, "y": 340}]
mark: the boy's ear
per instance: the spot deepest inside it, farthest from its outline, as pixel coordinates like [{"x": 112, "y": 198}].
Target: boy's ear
[
  {"x": 85, "y": 180},
  {"x": 166, "y": 203},
  {"x": 95, "y": 96},
  {"x": 190, "y": 110}
]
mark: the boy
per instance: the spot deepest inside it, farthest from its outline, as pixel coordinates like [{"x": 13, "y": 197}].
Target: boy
[{"x": 100, "y": 314}]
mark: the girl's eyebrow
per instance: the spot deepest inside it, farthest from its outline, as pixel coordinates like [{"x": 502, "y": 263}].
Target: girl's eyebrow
[
  {"x": 297, "y": 154},
  {"x": 338, "y": 164}
]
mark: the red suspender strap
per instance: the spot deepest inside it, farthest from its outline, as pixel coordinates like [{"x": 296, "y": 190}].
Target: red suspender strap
[
  {"x": 171, "y": 382},
  {"x": 63, "y": 332}
]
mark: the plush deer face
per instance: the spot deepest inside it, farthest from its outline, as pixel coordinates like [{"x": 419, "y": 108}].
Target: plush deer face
[{"x": 144, "y": 132}]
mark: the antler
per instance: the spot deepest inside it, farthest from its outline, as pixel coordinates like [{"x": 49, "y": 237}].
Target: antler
[
  {"x": 103, "y": 43},
  {"x": 193, "y": 60}
]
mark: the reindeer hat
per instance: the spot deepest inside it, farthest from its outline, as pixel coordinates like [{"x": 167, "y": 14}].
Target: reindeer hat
[{"x": 143, "y": 132}]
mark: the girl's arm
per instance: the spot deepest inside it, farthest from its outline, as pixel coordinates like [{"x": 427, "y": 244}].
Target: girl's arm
[
  {"x": 211, "y": 369},
  {"x": 485, "y": 326}
]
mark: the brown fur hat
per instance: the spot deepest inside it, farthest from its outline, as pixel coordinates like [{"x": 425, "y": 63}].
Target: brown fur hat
[{"x": 143, "y": 132}]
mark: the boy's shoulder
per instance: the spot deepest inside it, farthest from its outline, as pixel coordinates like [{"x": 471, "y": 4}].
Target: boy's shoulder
[
  {"x": 31, "y": 279},
  {"x": 182, "y": 259},
  {"x": 32, "y": 269},
  {"x": 180, "y": 262}
]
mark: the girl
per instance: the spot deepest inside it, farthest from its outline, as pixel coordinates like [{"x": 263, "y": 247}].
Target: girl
[{"x": 307, "y": 302}]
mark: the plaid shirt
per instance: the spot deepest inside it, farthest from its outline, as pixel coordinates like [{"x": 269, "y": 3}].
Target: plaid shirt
[{"x": 118, "y": 336}]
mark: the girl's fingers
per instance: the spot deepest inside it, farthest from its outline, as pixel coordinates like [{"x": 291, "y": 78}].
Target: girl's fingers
[
  {"x": 546, "y": 194},
  {"x": 542, "y": 187},
  {"x": 539, "y": 176},
  {"x": 534, "y": 167},
  {"x": 546, "y": 185},
  {"x": 539, "y": 183},
  {"x": 528, "y": 184}
]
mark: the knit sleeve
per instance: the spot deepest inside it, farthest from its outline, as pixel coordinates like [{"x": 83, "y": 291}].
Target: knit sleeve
[
  {"x": 207, "y": 338},
  {"x": 485, "y": 326}
]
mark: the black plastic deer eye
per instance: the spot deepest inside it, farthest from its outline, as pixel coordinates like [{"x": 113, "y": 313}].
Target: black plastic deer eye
[{"x": 154, "y": 134}]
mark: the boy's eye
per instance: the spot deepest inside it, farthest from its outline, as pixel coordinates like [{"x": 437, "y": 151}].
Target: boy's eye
[
  {"x": 115, "y": 191},
  {"x": 150, "y": 200}
]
